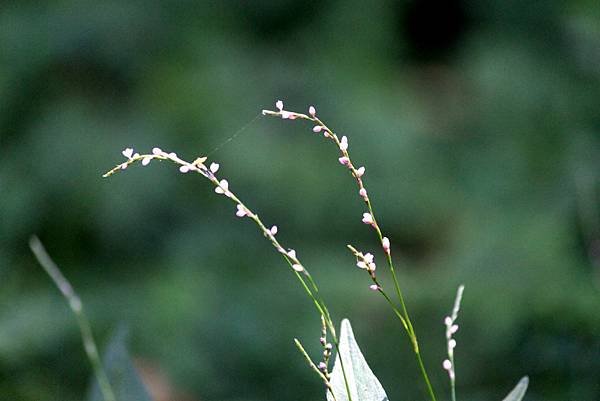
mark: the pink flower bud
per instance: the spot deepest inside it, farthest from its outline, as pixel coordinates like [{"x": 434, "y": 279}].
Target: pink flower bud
[
  {"x": 448, "y": 321},
  {"x": 273, "y": 230},
  {"x": 344, "y": 160},
  {"x": 214, "y": 167},
  {"x": 322, "y": 366},
  {"x": 156, "y": 151},
  {"x": 374, "y": 287},
  {"x": 279, "y": 105},
  {"x": 363, "y": 192},
  {"x": 123, "y": 166},
  {"x": 241, "y": 211},
  {"x": 146, "y": 161},
  {"x": 368, "y": 258},
  {"x": 292, "y": 254},
  {"x": 317, "y": 128},
  {"x": 298, "y": 267},
  {"x": 367, "y": 218},
  {"x": 360, "y": 171},
  {"x": 447, "y": 364},
  {"x": 385, "y": 243},
  {"x": 184, "y": 169},
  {"x": 312, "y": 111},
  {"x": 344, "y": 144},
  {"x": 223, "y": 187},
  {"x": 285, "y": 114},
  {"x": 361, "y": 265}
]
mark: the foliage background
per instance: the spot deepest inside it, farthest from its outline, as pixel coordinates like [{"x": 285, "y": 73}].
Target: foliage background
[{"x": 478, "y": 123}]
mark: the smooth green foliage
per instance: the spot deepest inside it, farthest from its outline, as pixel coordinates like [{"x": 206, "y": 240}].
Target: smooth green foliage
[
  {"x": 363, "y": 384},
  {"x": 518, "y": 392},
  {"x": 121, "y": 372}
]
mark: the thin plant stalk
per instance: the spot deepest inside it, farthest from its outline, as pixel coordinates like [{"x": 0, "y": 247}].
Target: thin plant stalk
[
  {"x": 76, "y": 306},
  {"x": 451, "y": 329},
  {"x": 342, "y": 145},
  {"x": 222, "y": 187}
]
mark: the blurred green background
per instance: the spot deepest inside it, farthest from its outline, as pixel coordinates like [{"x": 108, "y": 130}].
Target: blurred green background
[{"x": 479, "y": 124}]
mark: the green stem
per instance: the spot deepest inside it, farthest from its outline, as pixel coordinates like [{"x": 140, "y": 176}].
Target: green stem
[
  {"x": 76, "y": 306},
  {"x": 404, "y": 317},
  {"x": 425, "y": 376}
]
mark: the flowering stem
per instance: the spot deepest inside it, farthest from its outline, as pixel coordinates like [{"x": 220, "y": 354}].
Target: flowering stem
[
  {"x": 451, "y": 329},
  {"x": 222, "y": 187},
  {"x": 369, "y": 218},
  {"x": 76, "y": 306}
]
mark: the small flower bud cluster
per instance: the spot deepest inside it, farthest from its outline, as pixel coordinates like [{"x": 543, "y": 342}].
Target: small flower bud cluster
[
  {"x": 285, "y": 114},
  {"x": 291, "y": 256},
  {"x": 327, "y": 347},
  {"x": 366, "y": 261},
  {"x": 451, "y": 329}
]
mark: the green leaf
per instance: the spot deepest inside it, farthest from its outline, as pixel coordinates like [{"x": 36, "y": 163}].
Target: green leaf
[
  {"x": 518, "y": 392},
  {"x": 121, "y": 372},
  {"x": 362, "y": 383}
]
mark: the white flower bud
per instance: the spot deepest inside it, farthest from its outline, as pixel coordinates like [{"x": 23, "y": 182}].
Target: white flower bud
[
  {"x": 241, "y": 211},
  {"x": 127, "y": 153},
  {"x": 367, "y": 218},
  {"x": 385, "y": 243},
  {"x": 223, "y": 187},
  {"x": 344, "y": 144}
]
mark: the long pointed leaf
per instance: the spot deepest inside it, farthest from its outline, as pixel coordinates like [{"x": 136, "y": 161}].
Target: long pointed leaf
[
  {"x": 362, "y": 383},
  {"x": 518, "y": 392}
]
